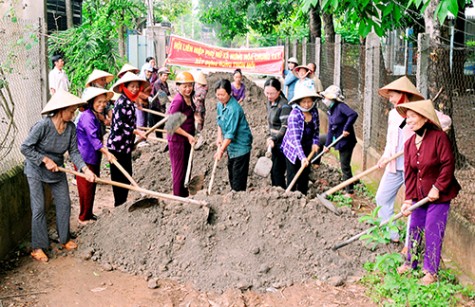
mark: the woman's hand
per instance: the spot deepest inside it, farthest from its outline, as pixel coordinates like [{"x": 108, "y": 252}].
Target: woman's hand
[
  {"x": 382, "y": 162},
  {"x": 315, "y": 148},
  {"x": 305, "y": 162},
  {"x": 405, "y": 206},
  {"x": 191, "y": 139},
  {"x": 219, "y": 153},
  {"x": 90, "y": 176},
  {"x": 109, "y": 156},
  {"x": 270, "y": 142},
  {"x": 140, "y": 133},
  {"x": 345, "y": 134},
  {"x": 326, "y": 149},
  {"x": 50, "y": 165},
  {"x": 433, "y": 194}
]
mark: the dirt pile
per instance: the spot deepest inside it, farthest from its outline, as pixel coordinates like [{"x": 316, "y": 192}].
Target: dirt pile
[{"x": 255, "y": 239}]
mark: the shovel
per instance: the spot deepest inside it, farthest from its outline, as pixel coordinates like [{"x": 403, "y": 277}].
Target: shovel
[
  {"x": 196, "y": 183},
  {"x": 369, "y": 230},
  {"x": 138, "y": 189},
  {"x": 291, "y": 185},
  {"x": 213, "y": 172},
  {"x": 264, "y": 164},
  {"x": 328, "y": 204}
]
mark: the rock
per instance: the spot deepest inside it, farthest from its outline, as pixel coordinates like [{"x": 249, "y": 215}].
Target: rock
[
  {"x": 152, "y": 283},
  {"x": 336, "y": 281},
  {"x": 106, "y": 266},
  {"x": 87, "y": 253}
]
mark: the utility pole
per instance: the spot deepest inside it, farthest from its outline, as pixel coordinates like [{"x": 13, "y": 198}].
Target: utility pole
[{"x": 69, "y": 13}]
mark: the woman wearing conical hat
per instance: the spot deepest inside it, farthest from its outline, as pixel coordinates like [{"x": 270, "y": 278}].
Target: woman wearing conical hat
[
  {"x": 301, "y": 137},
  {"x": 99, "y": 79},
  {"x": 44, "y": 150},
  {"x": 429, "y": 167},
  {"x": 123, "y": 130},
  {"x": 397, "y": 92},
  {"x": 91, "y": 147}
]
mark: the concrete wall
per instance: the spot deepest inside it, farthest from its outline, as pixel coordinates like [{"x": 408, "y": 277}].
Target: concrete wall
[{"x": 15, "y": 213}]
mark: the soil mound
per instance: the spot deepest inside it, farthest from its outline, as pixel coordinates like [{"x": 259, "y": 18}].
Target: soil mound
[{"x": 255, "y": 239}]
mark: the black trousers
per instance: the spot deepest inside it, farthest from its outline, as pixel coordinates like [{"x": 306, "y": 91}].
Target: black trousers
[
  {"x": 238, "y": 169},
  {"x": 279, "y": 166},
  {"x": 292, "y": 169},
  {"x": 345, "y": 163},
  {"x": 120, "y": 194}
]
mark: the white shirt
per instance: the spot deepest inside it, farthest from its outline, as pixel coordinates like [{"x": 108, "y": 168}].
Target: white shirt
[{"x": 58, "y": 80}]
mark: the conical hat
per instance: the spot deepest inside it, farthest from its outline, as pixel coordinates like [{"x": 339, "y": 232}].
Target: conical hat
[
  {"x": 199, "y": 77},
  {"x": 126, "y": 78},
  {"x": 305, "y": 92},
  {"x": 60, "y": 100},
  {"x": 93, "y": 92},
  {"x": 422, "y": 107},
  {"x": 333, "y": 92},
  {"x": 402, "y": 84},
  {"x": 97, "y": 74},
  {"x": 127, "y": 67},
  {"x": 295, "y": 71}
]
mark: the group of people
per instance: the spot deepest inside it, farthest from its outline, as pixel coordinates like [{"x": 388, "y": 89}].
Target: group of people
[{"x": 414, "y": 127}]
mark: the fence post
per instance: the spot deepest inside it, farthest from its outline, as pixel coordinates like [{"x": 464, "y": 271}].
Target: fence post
[
  {"x": 318, "y": 50},
  {"x": 294, "y": 49},
  {"x": 43, "y": 55},
  {"x": 337, "y": 68},
  {"x": 304, "y": 51},
  {"x": 422, "y": 63},
  {"x": 286, "y": 49},
  {"x": 370, "y": 90}
]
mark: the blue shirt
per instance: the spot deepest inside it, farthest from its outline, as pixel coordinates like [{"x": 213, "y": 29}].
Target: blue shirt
[
  {"x": 232, "y": 121},
  {"x": 341, "y": 118},
  {"x": 289, "y": 83}
]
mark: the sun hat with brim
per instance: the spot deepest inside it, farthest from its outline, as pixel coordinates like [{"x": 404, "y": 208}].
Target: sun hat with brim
[
  {"x": 295, "y": 71},
  {"x": 60, "y": 100},
  {"x": 93, "y": 92},
  {"x": 128, "y": 68},
  {"x": 333, "y": 92},
  {"x": 199, "y": 77},
  {"x": 97, "y": 74},
  {"x": 293, "y": 60},
  {"x": 126, "y": 78},
  {"x": 304, "y": 93},
  {"x": 402, "y": 84},
  {"x": 424, "y": 108},
  {"x": 163, "y": 70}
]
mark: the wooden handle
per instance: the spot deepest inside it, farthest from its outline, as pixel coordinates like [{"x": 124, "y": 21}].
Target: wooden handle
[
  {"x": 291, "y": 185},
  {"x": 126, "y": 174},
  {"x": 147, "y": 133},
  {"x": 369, "y": 230},
  {"x": 360, "y": 175},
  {"x": 148, "y": 128},
  {"x": 141, "y": 190},
  {"x": 153, "y": 112},
  {"x": 212, "y": 176},
  {"x": 152, "y": 138},
  {"x": 188, "y": 168},
  {"x": 269, "y": 151}
]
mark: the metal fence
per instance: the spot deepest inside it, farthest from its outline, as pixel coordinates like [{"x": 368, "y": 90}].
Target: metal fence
[
  {"x": 20, "y": 87},
  {"x": 381, "y": 63}
]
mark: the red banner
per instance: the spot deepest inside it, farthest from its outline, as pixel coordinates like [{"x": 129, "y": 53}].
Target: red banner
[{"x": 265, "y": 61}]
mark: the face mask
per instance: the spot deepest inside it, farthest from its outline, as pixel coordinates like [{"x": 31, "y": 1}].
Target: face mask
[
  {"x": 327, "y": 102},
  {"x": 304, "y": 109}
]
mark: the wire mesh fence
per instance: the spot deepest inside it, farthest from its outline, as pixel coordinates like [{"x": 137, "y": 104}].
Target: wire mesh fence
[{"x": 20, "y": 88}]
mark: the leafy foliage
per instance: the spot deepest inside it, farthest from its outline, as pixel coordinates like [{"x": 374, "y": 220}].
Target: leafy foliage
[
  {"x": 387, "y": 287},
  {"x": 170, "y": 10},
  {"x": 94, "y": 43}
]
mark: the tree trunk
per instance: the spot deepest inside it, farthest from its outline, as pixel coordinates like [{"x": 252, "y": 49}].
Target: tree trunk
[
  {"x": 439, "y": 74},
  {"x": 121, "y": 40},
  {"x": 328, "y": 27},
  {"x": 69, "y": 13},
  {"x": 315, "y": 23}
]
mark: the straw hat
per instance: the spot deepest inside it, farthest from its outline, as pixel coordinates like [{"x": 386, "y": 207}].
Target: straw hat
[
  {"x": 402, "y": 84},
  {"x": 127, "y": 67},
  {"x": 163, "y": 70},
  {"x": 424, "y": 108},
  {"x": 97, "y": 74},
  {"x": 295, "y": 71},
  {"x": 60, "y": 100},
  {"x": 305, "y": 92},
  {"x": 93, "y": 92},
  {"x": 333, "y": 92},
  {"x": 293, "y": 60},
  {"x": 199, "y": 77},
  {"x": 126, "y": 78}
]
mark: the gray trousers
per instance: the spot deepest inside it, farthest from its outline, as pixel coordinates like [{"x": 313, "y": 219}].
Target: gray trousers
[{"x": 39, "y": 227}]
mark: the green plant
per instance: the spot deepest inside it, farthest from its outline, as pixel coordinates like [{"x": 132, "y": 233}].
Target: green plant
[
  {"x": 388, "y": 288},
  {"x": 340, "y": 200}
]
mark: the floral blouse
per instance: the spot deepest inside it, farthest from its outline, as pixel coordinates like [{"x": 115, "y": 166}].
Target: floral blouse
[{"x": 121, "y": 138}]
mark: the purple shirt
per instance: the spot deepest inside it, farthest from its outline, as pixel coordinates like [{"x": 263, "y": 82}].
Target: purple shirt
[
  {"x": 292, "y": 143},
  {"x": 89, "y": 135},
  {"x": 178, "y": 104},
  {"x": 121, "y": 138},
  {"x": 238, "y": 93}
]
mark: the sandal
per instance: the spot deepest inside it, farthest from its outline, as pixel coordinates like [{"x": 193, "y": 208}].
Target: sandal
[
  {"x": 403, "y": 269},
  {"x": 428, "y": 279},
  {"x": 70, "y": 245},
  {"x": 39, "y": 255}
]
